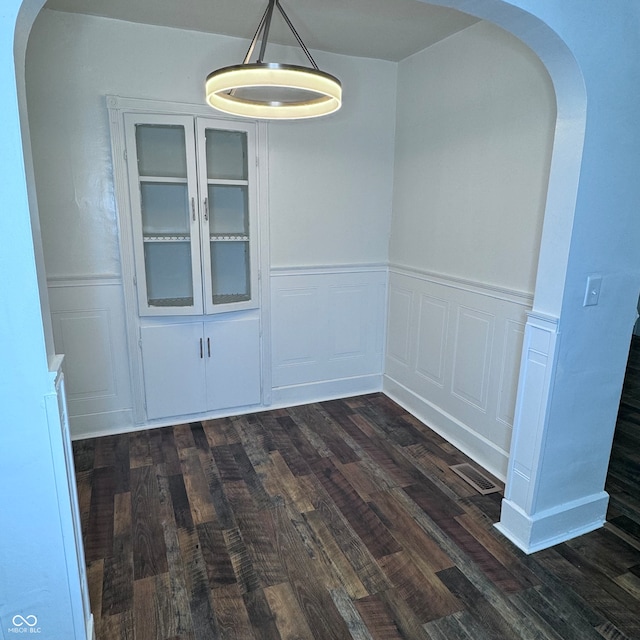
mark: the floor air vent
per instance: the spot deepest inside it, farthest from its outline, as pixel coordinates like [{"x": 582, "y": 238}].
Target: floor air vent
[{"x": 477, "y": 480}]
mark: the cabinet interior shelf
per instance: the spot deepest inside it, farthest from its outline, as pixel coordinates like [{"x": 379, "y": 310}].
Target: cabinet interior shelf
[
  {"x": 227, "y": 298},
  {"x": 229, "y": 237},
  {"x": 171, "y": 302},
  {"x": 162, "y": 179},
  {"x": 166, "y": 238},
  {"x": 226, "y": 182}
]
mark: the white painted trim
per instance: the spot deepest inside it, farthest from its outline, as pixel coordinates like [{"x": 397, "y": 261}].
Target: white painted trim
[
  {"x": 264, "y": 257},
  {"x": 130, "y": 427},
  {"x": 472, "y": 444},
  {"x": 106, "y": 423},
  {"x": 84, "y": 281},
  {"x": 302, "y": 270},
  {"x": 165, "y": 107},
  {"x": 325, "y": 390},
  {"x": 91, "y": 628},
  {"x": 545, "y": 529},
  {"x": 501, "y": 293}
]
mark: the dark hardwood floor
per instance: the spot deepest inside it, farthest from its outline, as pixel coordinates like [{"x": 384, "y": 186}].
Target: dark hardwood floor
[
  {"x": 338, "y": 520},
  {"x": 623, "y": 479}
]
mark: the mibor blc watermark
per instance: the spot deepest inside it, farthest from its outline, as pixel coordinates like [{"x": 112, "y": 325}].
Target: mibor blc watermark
[{"x": 24, "y": 624}]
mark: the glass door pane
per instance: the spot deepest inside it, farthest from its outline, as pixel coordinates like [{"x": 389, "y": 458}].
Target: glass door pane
[
  {"x": 161, "y": 150},
  {"x": 229, "y": 211},
  {"x": 226, "y": 154},
  {"x": 227, "y": 188},
  {"x": 165, "y": 209},
  {"x": 163, "y": 180},
  {"x": 168, "y": 271},
  {"x": 230, "y": 280}
]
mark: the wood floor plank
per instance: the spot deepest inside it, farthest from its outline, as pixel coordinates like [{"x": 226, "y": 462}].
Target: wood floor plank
[
  {"x": 216, "y": 556},
  {"x": 487, "y": 618},
  {"x": 197, "y": 487},
  {"x": 365, "y": 565},
  {"x": 345, "y": 606},
  {"x": 241, "y": 561},
  {"x": 99, "y": 539},
  {"x": 313, "y": 599},
  {"x": 335, "y": 557},
  {"x": 361, "y": 517},
  {"x": 424, "y": 593},
  {"x": 139, "y": 452},
  {"x": 117, "y": 591},
  {"x": 257, "y": 531},
  {"x": 119, "y": 626},
  {"x": 282, "y": 481},
  {"x": 84, "y": 454},
  {"x": 177, "y": 591},
  {"x": 262, "y": 619},
  {"x": 378, "y": 618},
  {"x": 250, "y": 477},
  {"x": 418, "y": 543},
  {"x": 232, "y": 615},
  {"x": 149, "y": 551},
  {"x": 288, "y": 617},
  {"x": 197, "y": 586},
  {"x": 322, "y": 425}
]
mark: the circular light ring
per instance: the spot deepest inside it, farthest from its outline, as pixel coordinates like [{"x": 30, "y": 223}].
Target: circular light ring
[{"x": 326, "y": 87}]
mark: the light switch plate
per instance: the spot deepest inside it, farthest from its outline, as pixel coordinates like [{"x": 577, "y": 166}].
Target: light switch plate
[{"x": 592, "y": 293}]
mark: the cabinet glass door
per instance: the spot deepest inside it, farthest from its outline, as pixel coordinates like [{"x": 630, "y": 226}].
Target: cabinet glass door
[
  {"x": 228, "y": 174},
  {"x": 166, "y": 235}
]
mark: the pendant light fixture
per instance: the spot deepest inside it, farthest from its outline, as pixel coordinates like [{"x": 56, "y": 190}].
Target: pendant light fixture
[{"x": 272, "y": 90}]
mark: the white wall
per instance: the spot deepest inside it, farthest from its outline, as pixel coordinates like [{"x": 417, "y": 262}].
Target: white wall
[
  {"x": 330, "y": 180},
  {"x": 36, "y": 578},
  {"x": 474, "y": 132},
  {"x": 473, "y": 145}
]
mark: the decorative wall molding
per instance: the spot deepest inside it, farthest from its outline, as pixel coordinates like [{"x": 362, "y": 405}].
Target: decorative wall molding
[
  {"x": 521, "y": 519},
  {"x": 87, "y": 316},
  {"x": 501, "y": 293},
  {"x": 328, "y": 326},
  {"x": 452, "y": 358},
  {"x": 328, "y": 269}
]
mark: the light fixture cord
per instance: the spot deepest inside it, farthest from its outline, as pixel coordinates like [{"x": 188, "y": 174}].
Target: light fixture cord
[
  {"x": 298, "y": 38},
  {"x": 263, "y": 32}
]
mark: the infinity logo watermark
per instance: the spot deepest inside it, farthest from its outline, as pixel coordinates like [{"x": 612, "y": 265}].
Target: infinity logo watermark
[
  {"x": 24, "y": 624},
  {"x": 30, "y": 621}
]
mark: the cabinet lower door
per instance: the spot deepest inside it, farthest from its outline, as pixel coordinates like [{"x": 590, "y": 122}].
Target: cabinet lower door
[
  {"x": 233, "y": 368},
  {"x": 174, "y": 358}
]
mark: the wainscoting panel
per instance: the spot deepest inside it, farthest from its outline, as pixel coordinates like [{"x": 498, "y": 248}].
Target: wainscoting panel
[
  {"x": 432, "y": 338},
  {"x": 472, "y": 356},
  {"x": 453, "y": 358},
  {"x": 398, "y": 344},
  {"x": 89, "y": 329},
  {"x": 326, "y": 327}
]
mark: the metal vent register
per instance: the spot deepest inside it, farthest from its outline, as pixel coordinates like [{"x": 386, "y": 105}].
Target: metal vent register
[{"x": 477, "y": 480}]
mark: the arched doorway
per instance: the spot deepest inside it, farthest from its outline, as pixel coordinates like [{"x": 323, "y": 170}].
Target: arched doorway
[{"x": 540, "y": 359}]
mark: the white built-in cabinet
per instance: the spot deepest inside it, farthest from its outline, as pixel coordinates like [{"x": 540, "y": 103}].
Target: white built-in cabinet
[{"x": 188, "y": 198}]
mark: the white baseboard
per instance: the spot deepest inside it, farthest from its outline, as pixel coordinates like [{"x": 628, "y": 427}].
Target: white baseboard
[
  {"x": 94, "y": 425},
  {"x": 91, "y": 630},
  {"x": 472, "y": 444},
  {"x": 553, "y": 526},
  {"x": 324, "y": 390}
]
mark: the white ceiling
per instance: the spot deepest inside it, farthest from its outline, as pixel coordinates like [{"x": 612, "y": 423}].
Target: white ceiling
[{"x": 384, "y": 29}]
